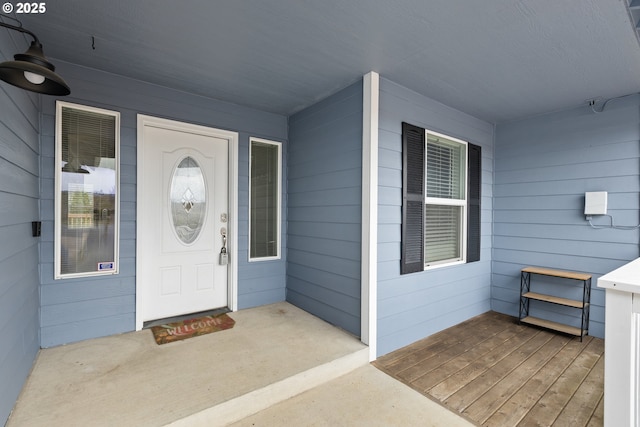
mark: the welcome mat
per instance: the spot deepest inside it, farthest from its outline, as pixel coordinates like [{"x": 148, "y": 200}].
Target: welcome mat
[{"x": 191, "y": 328}]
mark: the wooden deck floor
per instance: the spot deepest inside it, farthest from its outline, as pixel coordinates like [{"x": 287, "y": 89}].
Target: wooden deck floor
[{"x": 498, "y": 373}]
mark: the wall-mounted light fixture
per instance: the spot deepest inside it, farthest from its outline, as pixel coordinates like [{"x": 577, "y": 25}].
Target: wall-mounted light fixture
[{"x": 31, "y": 70}]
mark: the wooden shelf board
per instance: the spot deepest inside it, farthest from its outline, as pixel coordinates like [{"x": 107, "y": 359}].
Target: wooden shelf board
[
  {"x": 553, "y": 325},
  {"x": 552, "y": 299},
  {"x": 557, "y": 273}
]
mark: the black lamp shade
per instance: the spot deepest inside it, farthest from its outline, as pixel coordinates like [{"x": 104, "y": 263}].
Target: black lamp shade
[{"x": 33, "y": 61}]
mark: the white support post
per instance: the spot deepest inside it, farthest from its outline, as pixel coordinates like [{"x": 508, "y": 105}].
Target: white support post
[{"x": 369, "y": 280}]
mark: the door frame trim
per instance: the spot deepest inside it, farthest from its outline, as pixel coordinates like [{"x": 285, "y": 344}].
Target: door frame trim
[{"x": 232, "y": 233}]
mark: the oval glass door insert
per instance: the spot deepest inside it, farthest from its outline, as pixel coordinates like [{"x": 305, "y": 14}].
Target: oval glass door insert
[{"x": 188, "y": 200}]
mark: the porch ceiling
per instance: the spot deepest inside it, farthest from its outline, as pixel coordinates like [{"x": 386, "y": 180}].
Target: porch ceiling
[{"x": 495, "y": 59}]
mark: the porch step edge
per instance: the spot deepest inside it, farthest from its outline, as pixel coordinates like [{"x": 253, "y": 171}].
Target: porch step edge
[{"x": 255, "y": 401}]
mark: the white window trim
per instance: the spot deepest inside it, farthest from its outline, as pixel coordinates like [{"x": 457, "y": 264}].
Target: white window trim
[
  {"x": 279, "y": 202},
  {"x": 449, "y": 202},
  {"x": 369, "y": 244},
  {"x": 58, "y": 190}
]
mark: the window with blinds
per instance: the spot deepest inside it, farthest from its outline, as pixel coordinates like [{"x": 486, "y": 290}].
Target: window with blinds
[
  {"x": 445, "y": 201},
  {"x": 441, "y": 199},
  {"x": 265, "y": 172},
  {"x": 87, "y": 181}
]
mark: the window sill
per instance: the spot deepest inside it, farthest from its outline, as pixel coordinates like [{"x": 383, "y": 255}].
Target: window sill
[{"x": 428, "y": 267}]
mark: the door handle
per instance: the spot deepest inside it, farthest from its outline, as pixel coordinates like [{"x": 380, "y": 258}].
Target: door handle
[{"x": 224, "y": 256}]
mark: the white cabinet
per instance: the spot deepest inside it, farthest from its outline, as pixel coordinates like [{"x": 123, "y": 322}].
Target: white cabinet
[{"x": 622, "y": 346}]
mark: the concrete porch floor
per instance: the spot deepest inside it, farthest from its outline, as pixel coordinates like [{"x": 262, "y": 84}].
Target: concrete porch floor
[{"x": 278, "y": 366}]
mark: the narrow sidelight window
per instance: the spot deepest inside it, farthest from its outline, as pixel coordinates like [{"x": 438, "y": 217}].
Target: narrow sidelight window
[
  {"x": 265, "y": 176},
  {"x": 87, "y": 191}
]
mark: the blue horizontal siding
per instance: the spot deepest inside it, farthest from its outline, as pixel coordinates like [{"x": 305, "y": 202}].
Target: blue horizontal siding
[
  {"x": 77, "y": 309},
  {"x": 413, "y": 306},
  {"x": 334, "y": 307},
  {"x": 544, "y": 165},
  {"x": 19, "y": 193},
  {"x": 325, "y": 208},
  {"x": 87, "y": 329}
]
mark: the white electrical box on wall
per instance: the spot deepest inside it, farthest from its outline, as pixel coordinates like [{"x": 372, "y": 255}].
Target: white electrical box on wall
[{"x": 595, "y": 203}]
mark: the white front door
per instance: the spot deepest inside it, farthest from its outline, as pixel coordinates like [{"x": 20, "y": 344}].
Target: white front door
[{"x": 183, "y": 213}]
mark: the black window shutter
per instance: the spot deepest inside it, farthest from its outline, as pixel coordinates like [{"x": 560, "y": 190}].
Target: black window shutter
[
  {"x": 413, "y": 152},
  {"x": 474, "y": 171}
]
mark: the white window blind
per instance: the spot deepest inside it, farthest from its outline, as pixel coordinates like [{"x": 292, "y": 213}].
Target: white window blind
[
  {"x": 442, "y": 233},
  {"x": 445, "y": 202},
  {"x": 444, "y": 168}
]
